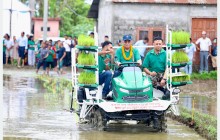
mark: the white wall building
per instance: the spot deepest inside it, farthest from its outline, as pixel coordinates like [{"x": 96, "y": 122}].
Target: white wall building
[{"x": 20, "y": 18}]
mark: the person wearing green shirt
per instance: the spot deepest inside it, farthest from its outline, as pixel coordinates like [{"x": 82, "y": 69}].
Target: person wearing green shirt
[
  {"x": 126, "y": 53},
  {"x": 49, "y": 59},
  {"x": 105, "y": 60},
  {"x": 155, "y": 65},
  {"x": 31, "y": 51}
]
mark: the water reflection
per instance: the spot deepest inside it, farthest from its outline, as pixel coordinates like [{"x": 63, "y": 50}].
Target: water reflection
[{"x": 204, "y": 104}]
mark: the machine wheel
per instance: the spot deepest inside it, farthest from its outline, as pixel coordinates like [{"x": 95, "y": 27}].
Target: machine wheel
[
  {"x": 96, "y": 119},
  {"x": 163, "y": 122}
]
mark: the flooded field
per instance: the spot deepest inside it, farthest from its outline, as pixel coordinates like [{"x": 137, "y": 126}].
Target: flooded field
[
  {"x": 31, "y": 112},
  {"x": 202, "y": 103}
]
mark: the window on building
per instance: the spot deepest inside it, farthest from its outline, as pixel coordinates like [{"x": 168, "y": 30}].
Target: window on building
[
  {"x": 151, "y": 33},
  {"x": 143, "y": 34},
  {"x": 157, "y": 34},
  {"x": 48, "y": 29}
]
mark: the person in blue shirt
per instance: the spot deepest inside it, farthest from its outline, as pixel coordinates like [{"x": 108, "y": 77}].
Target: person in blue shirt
[
  {"x": 190, "y": 52},
  {"x": 214, "y": 53},
  {"x": 61, "y": 54}
]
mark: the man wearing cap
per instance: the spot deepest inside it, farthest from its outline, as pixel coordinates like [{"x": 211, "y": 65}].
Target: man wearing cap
[
  {"x": 106, "y": 57},
  {"x": 127, "y": 53},
  {"x": 203, "y": 44}
]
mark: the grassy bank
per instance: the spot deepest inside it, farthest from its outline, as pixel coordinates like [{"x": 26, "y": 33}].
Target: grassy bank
[
  {"x": 204, "y": 124},
  {"x": 212, "y": 75}
]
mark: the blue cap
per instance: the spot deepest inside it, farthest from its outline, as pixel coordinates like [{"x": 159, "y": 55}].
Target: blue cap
[{"x": 127, "y": 37}]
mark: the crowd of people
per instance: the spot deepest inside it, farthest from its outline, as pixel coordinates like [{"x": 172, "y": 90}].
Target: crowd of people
[
  {"x": 51, "y": 55},
  {"x": 56, "y": 54}
]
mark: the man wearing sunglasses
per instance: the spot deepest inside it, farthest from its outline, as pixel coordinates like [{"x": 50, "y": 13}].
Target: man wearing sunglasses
[
  {"x": 155, "y": 65},
  {"x": 126, "y": 53}
]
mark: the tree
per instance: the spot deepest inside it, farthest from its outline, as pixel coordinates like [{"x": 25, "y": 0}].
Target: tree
[{"x": 73, "y": 14}]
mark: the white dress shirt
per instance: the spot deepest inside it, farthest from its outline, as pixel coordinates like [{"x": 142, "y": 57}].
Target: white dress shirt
[{"x": 23, "y": 42}]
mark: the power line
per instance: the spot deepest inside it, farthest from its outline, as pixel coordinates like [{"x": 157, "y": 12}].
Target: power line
[{"x": 65, "y": 3}]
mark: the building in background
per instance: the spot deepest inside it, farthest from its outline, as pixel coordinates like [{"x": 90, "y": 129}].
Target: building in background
[
  {"x": 148, "y": 18},
  {"x": 16, "y": 18},
  {"x": 52, "y": 27}
]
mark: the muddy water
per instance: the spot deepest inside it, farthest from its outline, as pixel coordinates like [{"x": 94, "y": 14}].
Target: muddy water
[
  {"x": 202, "y": 103},
  {"x": 30, "y": 112}
]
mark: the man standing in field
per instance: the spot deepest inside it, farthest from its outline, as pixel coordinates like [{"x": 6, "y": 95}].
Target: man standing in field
[{"x": 204, "y": 48}]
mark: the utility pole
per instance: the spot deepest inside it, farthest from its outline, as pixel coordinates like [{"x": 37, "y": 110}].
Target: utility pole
[
  {"x": 32, "y": 7},
  {"x": 45, "y": 19},
  {"x": 10, "y": 18}
]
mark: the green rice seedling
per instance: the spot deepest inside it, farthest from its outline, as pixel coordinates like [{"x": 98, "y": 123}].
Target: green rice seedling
[
  {"x": 87, "y": 77},
  {"x": 182, "y": 78},
  {"x": 86, "y": 59},
  {"x": 180, "y": 37},
  {"x": 86, "y": 41},
  {"x": 180, "y": 57}
]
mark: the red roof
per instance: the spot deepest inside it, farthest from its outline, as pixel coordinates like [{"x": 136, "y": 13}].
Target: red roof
[
  {"x": 170, "y": 1},
  {"x": 49, "y": 19}
]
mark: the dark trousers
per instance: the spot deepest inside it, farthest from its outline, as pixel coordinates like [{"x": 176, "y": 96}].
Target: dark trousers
[
  {"x": 105, "y": 77},
  {"x": 67, "y": 59},
  {"x": 42, "y": 63},
  {"x": 4, "y": 58}
]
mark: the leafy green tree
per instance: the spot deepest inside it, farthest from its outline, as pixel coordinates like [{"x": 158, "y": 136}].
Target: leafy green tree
[{"x": 73, "y": 14}]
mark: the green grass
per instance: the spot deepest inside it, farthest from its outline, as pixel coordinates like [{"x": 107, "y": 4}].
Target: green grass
[
  {"x": 212, "y": 75},
  {"x": 205, "y": 124},
  {"x": 180, "y": 37},
  {"x": 180, "y": 57}
]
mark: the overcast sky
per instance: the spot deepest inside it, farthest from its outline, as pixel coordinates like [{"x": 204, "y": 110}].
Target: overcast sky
[{"x": 89, "y": 1}]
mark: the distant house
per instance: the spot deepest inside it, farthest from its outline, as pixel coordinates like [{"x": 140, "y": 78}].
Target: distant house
[
  {"x": 142, "y": 18},
  {"x": 15, "y": 18},
  {"x": 52, "y": 27}
]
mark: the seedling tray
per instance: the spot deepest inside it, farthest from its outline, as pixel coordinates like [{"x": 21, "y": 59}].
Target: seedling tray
[
  {"x": 178, "y": 65},
  {"x": 178, "y": 46},
  {"x": 181, "y": 83},
  {"x": 87, "y": 66},
  {"x": 88, "y": 85},
  {"x": 87, "y": 47},
  {"x": 177, "y": 84}
]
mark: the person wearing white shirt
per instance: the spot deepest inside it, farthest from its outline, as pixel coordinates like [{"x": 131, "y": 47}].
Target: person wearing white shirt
[
  {"x": 190, "y": 52},
  {"x": 9, "y": 48},
  {"x": 22, "y": 48},
  {"x": 66, "y": 45},
  {"x": 205, "y": 50},
  {"x": 143, "y": 48}
]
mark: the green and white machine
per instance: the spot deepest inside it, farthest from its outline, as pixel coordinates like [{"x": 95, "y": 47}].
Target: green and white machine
[{"x": 134, "y": 97}]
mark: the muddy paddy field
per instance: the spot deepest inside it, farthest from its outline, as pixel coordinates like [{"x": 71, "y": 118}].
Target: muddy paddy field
[{"x": 32, "y": 111}]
